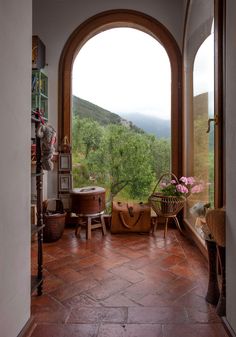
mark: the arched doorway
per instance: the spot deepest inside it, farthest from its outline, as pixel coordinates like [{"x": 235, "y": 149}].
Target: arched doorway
[{"x": 123, "y": 18}]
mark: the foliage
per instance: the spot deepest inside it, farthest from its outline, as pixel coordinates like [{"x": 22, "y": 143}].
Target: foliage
[
  {"x": 123, "y": 160},
  {"x": 120, "y": 158},
  {"x": 90, "y": 135}
]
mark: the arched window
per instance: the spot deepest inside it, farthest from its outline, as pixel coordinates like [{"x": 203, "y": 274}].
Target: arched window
[{"x": 123, "y": 18}]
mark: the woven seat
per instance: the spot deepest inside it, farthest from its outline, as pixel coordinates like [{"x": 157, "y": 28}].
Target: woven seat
[{"x": 215, "y": 219}]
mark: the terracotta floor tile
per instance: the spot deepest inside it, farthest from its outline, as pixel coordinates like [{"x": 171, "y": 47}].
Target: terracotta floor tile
[
  {"x": 157, "y": 315},
  {"x": 91, "y": 261},
  {"x": 127, "y": 274},
  {"x": 184, "y": 269},
  {"x": 139, "y": 290},
  {"x": 156, "y": 274},
  {"x": 124, "y": 286},
  {"x": 171, "y": 261},
  {"x": 154, "y": 300},
  {"x": 52, "y": 316},
  {"x": 44, "y": 302},
  {"x": 118, "y": 300},
  {"x": 68, "y": 291},
  {"x": 198, "y": 316},
  {"x": 68, "y": 330},
  {"x": 114, "y": 261},
  {"x": 192, "y": 300},
  {"x": 130, "y": 330},
  {"x": 96, "y": 272},
  {"x": 68, "y": 275},
  {"x": 139, "y": 263},
  {"x": 131, "y": 254},
  {"x": 52, "y": 283},
  {"x": 87, "y": 315},
  {"x": 80, "y": 301},
  {"x": 177, "y": 288},
  {"x": 108, "y": 288},
  {"x": 194, "y": 330},
  {"x": 59, "y": 262}
]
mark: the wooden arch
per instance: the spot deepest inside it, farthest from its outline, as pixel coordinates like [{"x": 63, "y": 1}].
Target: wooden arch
[{"x": 133, "y": 19}]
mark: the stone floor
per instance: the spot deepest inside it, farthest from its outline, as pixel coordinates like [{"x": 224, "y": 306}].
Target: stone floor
[{"x": 124, "y": 286}]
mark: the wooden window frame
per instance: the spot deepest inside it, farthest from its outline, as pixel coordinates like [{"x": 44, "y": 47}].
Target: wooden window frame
[{"x": 145, "y": 23}]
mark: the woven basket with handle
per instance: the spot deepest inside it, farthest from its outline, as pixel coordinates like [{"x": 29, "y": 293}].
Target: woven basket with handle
[
  {"x": 166, "y": 206},
  {"x": 54, "y": 220}
]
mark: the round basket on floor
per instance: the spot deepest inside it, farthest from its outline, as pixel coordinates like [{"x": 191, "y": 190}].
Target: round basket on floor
[{"x": 54, "y": 220}]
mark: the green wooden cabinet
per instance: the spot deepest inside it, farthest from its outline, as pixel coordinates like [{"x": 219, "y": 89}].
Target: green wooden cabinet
[{"x": 39, "y": 97}]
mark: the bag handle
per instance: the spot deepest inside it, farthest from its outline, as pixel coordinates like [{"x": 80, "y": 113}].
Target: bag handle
[
  {"x": 125, "y": 224},
  {"x": 170, "y": 174}
]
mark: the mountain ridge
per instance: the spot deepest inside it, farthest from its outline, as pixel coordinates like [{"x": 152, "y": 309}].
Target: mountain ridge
[{"x": 137, "y": 121}]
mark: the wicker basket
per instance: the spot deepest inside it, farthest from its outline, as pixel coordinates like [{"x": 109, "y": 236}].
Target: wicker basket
[
  {"x": 166, "y": 206},
  {"x": 215, "y": 219},
  {"x": 54, "y": 220}
]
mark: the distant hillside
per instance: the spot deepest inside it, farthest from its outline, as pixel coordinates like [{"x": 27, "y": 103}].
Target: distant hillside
[
  {"x": 150, "y": 124},
  {"x": 86, "y": 109}
]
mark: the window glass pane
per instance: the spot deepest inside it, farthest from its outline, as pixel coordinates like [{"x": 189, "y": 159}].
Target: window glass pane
[
  {"x": 202, "y": 142},
  {"x": 121, "y": 114}
]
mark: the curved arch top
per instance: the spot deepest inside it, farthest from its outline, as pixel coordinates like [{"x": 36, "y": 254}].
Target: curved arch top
[{"x": 132, "y": 19}]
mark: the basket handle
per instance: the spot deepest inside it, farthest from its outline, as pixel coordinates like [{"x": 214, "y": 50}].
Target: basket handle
[
  {"x": 130, "y": 226},
  {"x": 161, "y": 177}
]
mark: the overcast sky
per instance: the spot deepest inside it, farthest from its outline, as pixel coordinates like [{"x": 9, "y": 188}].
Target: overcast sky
[{"x": 124, "y": 70}]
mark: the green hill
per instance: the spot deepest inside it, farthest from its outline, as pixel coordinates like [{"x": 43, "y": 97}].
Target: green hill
[
  {"x": 138, "y": 122},
  {"x": 86, "y": 109}
]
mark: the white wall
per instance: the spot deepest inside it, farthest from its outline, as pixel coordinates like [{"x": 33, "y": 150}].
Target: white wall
[
  {"x": 15, "y": 75},
  {"x": 231, "y": 162},
  {"x": 55, "y": 20}
]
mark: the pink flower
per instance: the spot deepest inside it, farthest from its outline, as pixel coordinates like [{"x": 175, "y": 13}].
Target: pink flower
[
  {"x": 191, "y": 180},
  {"x": 173, "y": 182},
  {"x": 184, "y": 180},
  {"x": 182, "y": 189},
  {"x": 163, "y": 185},
  {"x": 197, "y": 188}
]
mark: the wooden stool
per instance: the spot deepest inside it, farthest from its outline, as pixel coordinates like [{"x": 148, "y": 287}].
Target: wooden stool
[{"x": 91, "y": 221}]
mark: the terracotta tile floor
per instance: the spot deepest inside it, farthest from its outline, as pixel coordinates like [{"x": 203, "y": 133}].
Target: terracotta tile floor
[{"x": 124, "y": 286}]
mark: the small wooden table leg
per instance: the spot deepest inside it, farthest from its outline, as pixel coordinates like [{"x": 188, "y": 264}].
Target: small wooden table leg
[
  {"x": 103, "y": 225},
  {"x": 88, "y": 228}
]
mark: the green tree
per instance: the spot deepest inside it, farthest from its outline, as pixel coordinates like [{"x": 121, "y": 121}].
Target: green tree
[
  {"x": 90, "y": 134},
  {"x": 160, "y": 154},
  {"x": 123, "y": 160}
]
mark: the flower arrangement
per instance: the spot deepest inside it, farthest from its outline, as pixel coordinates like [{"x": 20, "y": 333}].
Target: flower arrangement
[{"x": 184, "y": 187}]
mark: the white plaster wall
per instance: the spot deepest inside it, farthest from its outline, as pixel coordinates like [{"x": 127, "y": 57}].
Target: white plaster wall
[
  {"x": 55, "y": 20},
  {"x": 15, "y": 101},
  {"x": 231, "y": 162}
]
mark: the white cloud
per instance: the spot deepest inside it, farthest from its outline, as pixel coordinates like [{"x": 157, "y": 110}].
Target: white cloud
[{"x": 124, "y": 70}]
